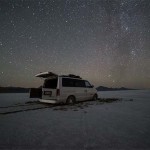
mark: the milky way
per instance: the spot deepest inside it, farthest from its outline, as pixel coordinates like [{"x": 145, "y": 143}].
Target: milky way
[{"x": 104, "y": 41}]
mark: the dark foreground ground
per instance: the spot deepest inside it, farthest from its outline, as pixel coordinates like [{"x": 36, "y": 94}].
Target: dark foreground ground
[{"x": 102, "y": 124}]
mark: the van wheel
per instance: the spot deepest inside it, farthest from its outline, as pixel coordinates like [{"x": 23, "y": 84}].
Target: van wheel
[
  {"x": 95, "y": 97},
  {"x": 71, "y": 100}
]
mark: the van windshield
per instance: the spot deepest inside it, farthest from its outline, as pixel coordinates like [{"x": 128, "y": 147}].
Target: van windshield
[{"x": 50, "y": 83}]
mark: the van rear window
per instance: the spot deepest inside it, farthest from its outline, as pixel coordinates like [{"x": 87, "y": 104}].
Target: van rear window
[
  {"x": 50, "y": 83},
  {"x": 66, "y": 82}
]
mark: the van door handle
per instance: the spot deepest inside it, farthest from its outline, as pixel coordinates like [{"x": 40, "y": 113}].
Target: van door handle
[{"x": 85, "y": 90}]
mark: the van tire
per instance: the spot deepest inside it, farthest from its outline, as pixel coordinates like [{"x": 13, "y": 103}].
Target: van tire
[
  {"x": 95, "y": 97},
  {"x": 71, "y": 100}
]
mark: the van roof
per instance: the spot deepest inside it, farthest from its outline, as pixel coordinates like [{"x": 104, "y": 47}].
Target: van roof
[{"x": 52, "y": 75}]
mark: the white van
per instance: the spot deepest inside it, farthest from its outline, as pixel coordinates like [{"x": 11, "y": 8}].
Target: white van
[{"x": 63, "y": 89}]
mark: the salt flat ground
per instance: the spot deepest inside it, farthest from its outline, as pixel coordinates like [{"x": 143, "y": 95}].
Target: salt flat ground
[{"x": 123, "y": 124}]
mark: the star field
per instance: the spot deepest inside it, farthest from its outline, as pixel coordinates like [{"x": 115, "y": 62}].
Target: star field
[{"x": 103, "y": 41}]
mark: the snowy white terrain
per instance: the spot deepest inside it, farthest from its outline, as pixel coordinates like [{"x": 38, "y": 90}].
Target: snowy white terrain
[{"x": 123, "y": 124}]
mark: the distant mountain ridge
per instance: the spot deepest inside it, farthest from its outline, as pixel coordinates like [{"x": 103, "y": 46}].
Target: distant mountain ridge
[
  {"x": 14, "y": 90},
  {"x": 103, "y": 88}
]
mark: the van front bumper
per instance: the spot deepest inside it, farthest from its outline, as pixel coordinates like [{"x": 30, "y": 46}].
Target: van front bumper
[{"x": 51, "y": 101}]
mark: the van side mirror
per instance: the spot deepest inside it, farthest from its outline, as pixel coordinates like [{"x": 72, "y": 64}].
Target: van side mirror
[{"x": 92, "y": 86}]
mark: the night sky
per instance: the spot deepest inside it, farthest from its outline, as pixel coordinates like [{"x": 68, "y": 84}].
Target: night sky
[{"x": 104, "y": 41}]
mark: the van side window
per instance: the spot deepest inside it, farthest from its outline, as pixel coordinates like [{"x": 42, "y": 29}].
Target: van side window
[
  {"x": 79, "y": 83},
  {"x": 88, "y": 85},
  {"x": 66, "y": 82}
]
